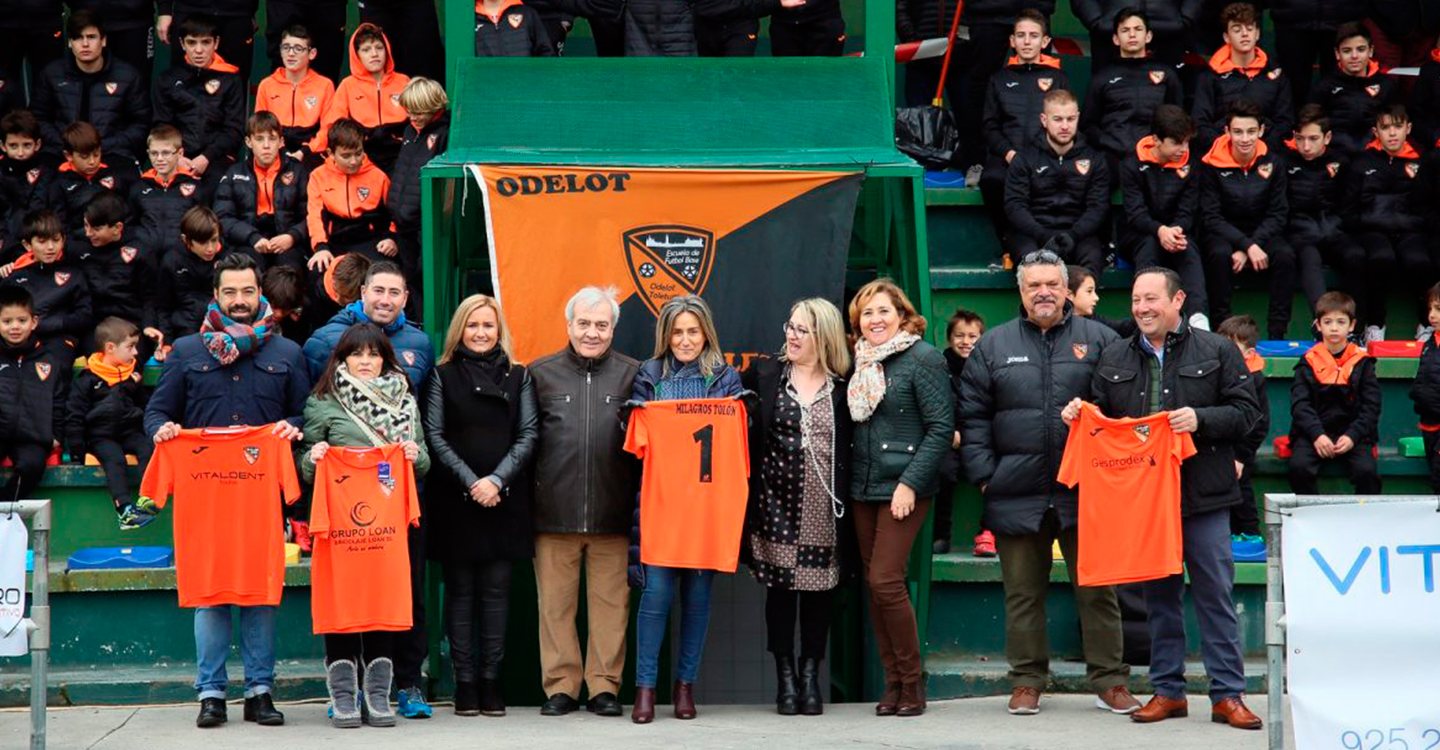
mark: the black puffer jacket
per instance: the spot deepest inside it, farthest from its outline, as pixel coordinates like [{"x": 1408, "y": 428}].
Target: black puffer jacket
[
  {"x": 1157, "y": 195},
  {"x": 114, "y": 100},
  {"x": 519, "y": 32},
  {"x": 1316, "y": 191},
  {"x": 1011, "y": 118},
  {"x": 906, "y": 439},
  {"x": 207, "y": 107},
  {"x": 69, "y": 192},
  {"x": 1203, "y": 371},
  {"x": 1351, "y": 409},
  {"x": 96, "y": 409},
  {"x": 1164, "y": 16},
  {"x": 416, "y": 151},
  {"x": 1015, "y": 384},
  {"x": 158, "y": 207},
  {"x": 1316, "y": 15},
  {"x": 1122, "y": 99},
  {"x": 34, "y": 382},
  {"x": 667, "y": 27},
  {"x": 1351, "y": 103},
  {"x": 1384, "y": 194},
  {"x": 235, "y": 201},
  {"x": 121, "y": 277},
  {"x": 1424, "y": 105},
  {"x": 184, "y": 287},
  {"x": 1046, "y": 193},
  {"x": 24, "y": 187},
  {"x": 1243, "y": 206},
  {"x": 61, "y": 298},
  {"x": 1219, "y": 85}
]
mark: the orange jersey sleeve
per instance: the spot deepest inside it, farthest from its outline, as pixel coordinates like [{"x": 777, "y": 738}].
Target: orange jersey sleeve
[{"x": 314, "y": 208}]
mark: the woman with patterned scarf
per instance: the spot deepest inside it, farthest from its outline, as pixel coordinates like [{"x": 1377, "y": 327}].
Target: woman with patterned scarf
[{"x": 363, "y": 400}]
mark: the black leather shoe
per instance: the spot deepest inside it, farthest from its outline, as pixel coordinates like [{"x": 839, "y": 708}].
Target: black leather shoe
[
  {"x": 604, "y": 704},
  {"x": 212, "y": 713},
  {"x": 558, "y": 704},
  {"x": 261, "y": 710}
]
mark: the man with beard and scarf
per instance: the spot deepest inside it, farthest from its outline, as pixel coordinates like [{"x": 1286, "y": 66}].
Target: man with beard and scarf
[
  {"x": 235, "y": 371},
  {"x": 382, "y": 302}
]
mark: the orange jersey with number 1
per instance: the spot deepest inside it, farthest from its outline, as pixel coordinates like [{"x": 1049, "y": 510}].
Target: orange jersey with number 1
[
  {"x": 1129, "y": 476},
  {"x": 695, "y": 483}
]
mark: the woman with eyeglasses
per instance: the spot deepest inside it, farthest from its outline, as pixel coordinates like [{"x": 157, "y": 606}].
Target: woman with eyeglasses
[{"x": 799, "y": 492}]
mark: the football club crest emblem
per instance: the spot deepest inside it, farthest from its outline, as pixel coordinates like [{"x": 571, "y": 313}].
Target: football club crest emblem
[
  {"x": 1080, "y": 350},
  {"x": 1411, "y": 169},
  {"x": 311, "y": 102},
  {"x": 187, "y": 189},
  {"x": 1082, "y": 166},
  {"x": 1332, "y": 169},
  {"x": 409, "y": 358},
  {"x": 363, "y": 192},
  {"x": 32, "y": 176},
  {"x": 288, "y": 178},
  {"x": 395, "y": 99},
  {"x": 431, "y": 140},
  {"x": 1373, "y": 90},
  {"x": 1045, "y": 83},
  {"x": 108, "y": 181},
  {"x": 1264, "y": 170},
  {"x": 252, "y": 454},
  {"x": 1183, "y": 172},
  {"x": 515, "y": 20},
  {"x": 62, "y": 278},
  {"x": 127, "y": 253},
  {"x": 111, "y": 88},
  {"x": 42, "y": 370},
  {"x": 669, "y": 260},
  {"x": 212, "y": 85},
  {"x": 1272, "y": 75},
  {"x": 1142, "y": 431},
  {"x": 1157, "y": 77}
]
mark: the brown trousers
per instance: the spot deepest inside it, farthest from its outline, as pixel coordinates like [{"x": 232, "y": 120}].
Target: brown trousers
[
  {"x": 885, "y": 550},
  {"x": 607, "y": 600}
]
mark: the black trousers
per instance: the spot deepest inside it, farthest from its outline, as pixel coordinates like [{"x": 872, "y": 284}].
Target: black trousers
[
  {"x": 414, "y": 33},
  {"x": 812, "y": 608},
  {"x": 1146, "y": 252},
  {"x": 1305, "y": 468},
  {"x": 477, "y": 605},
  {"x": 992, "y": 193},
  {"x": 1392, "y": 255},
  {"x": 733, "y": 39},
  {"x": 1088, "y": 251},
  {"x": 237, "y": 46},
  {"x": 326, "y": 24},
  {"x": 609, "y": 35},
  {"x": 111, "y": 453},
  {"x": 1221, "y": 280},
  {"x": 135, "y": 46},
  {"x": 361, "y": 648},
  {"x": 1431, "y": 441},
  {"x": 28, "y": 466},
  {"x": 1297, "y": 52},
  {"x": 945, "y": 509},
  {"x": 1337, "y": 249},
  {"x": 971, "y": 65},
  {"x": 36, "y": 45},
  {"x": 411, "y": 259},
  {"x": 412, "y": 646},
  {"x": 817, "y": 37},
  {"x": 1245, "y": 517}
]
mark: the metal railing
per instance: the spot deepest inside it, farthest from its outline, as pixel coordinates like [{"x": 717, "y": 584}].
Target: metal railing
[{"x": 37, "y": 625}]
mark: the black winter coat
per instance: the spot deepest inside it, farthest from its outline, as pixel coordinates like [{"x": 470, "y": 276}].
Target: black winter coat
[
  {"x": 114, "y": 100},
  {"x": 1316, "y": 15},
  {"x": 24, "y": 187},
  {"x": 96, "y": 409},
  {"x": 69, "y": 192},
  {"x": 1121, "y": 102},
  {"x": 1157, "y": 195},
  {"x": 518, "y": 33},
  {"x": 122, "y": 278},
  {"x": 236, "y": 199},
  {"x": 184, "y": 286},
  {"x": 415, "y": 152},
  {"x": 1315, "y": 194},
  {"x": 477, "y": 429},
  {"x": 207, "y": 106},
  {"x": 34, "y": 383},
  {"x": 61, "y": 299},
  {"x": 1425, "y": 391},
  {"x": 1351, "y": 103},
  {"x": 158, "y": 208},
  {"x": 246, "y": 8},
  {"x": 1244, "y": 207},
  {"x": 1011, "y": 118},
  {"x": 1012, "y": 438},
  {"x": 1352, "y": 409},
  {"x": 1384, "y": 193},
  {"x": 1163, "y": 16},
  {"x": 1269, "y": 90},
  {"x": 1203, "y": 371},
  {"x": 1046, "y": 193}
]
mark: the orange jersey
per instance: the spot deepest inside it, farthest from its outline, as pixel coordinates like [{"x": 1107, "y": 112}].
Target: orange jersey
[
  {"x": 360, "y": 573},
  {"x": 1129, "y": 476},
  {"x": 347, "y": 200},
  {"x": 695, "y": 482},
  {"x": 228, "y": 485},
  {"x": 363, "y": 99},
  {"x": 298, "y": 106}
]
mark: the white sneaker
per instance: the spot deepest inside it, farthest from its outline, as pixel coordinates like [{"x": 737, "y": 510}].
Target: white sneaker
[
  {"x": 1423, "y": 332},
  {"x": 1201, "y": 321},
  {"x": 1374, "y": 333}
]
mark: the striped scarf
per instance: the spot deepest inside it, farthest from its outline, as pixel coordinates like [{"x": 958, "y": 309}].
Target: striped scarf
[
  {"x": 381, "y": 407},
  {"x": 227, "y": 340}
]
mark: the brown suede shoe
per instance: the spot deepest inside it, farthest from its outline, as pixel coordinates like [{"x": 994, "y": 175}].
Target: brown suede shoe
[
  {"x": 1024, "y": 701},
  {"x": 1232, "y": 711},
  {"x": 644, "y": 710},
  {"x": 1160, "y": 708},
  {"x": 1117, "y": 700},
  {"x": 912, "y": 700},
  {"x": 888, "y": 699},
  {"x": 684, "y": 700}
]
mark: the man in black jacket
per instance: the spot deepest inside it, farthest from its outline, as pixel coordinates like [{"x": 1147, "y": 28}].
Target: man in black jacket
[
  {"x": 92, "y": 86},
  {"x": 585, "y": 484},
  {"x": 1200, "y": 379},
  {"x": 1018, "y": 379}
]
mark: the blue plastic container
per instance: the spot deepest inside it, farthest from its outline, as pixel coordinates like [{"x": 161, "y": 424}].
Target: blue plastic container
[
  {"x": 1283, "y": 348},
  {"x": 104, "y": 558}
]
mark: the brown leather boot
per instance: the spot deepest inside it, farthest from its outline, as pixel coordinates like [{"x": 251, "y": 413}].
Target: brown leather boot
[
  {"x": 888, "y": 699},
  {"x": 912, "y": 699},
  {"x": 684, "y": 700},
  {"x": 644, "y": 710}
]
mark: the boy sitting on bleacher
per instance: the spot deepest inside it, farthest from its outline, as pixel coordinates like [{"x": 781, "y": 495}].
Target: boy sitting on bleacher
[
  {"x": 59, "y": 293},
  {"x": 295, "y": 94},
  {"x": 1125, "y": 93},
  {"x": 1334, "y": 403},
  {"x": 1426, "y": 390},
  {"x": 165, "y": 191},
  {"x": 204, "y": 98},
  {"x": 105, "y": 416},
  {"x": 120, "y": 268},
  {"x": 370, "y": 96},
  {"x": 1241, "y": 70},
  {"x": 33, "y": 380},
  {"x": 261, "y": 200},
  {"x": 83, "y": 176},
  {"x": 186, "y": 280},
  {"x": 25, "y": 175},
  {"x": 1354, "y": 92},
  {"x": 346, "y": 208}
]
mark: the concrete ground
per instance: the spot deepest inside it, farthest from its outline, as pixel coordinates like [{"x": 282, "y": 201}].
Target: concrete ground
[{"x": 1066, "y": 721}]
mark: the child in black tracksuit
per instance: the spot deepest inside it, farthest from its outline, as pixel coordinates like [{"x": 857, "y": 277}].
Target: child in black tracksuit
[
  {"x": 425, "y": 101},
  {"x": 1334, "y": 403},
  {"x": 25, "y": 175},
  {"x": 1355, "y": 91},
  {"x": 33, "y": 382},
  {"x": 105, "y": 416},
  {"x": 961, "y": 334},
  {"x": 165, "y": 191},
  {"x": 82, "y": 176},
  {"x": 185, "y": 283},
  {"x": 504, "y": 28},
  {"x": 1245, "y": 517},
  {"x": 1425, "y": 392},
  {"x": 59, "y": 293},
  {"x": 261, "y": 199},
  {"x": 1241, "y": 70},
  {"x": 204, "y": 98},
  {"x": 120, "y": 268}
]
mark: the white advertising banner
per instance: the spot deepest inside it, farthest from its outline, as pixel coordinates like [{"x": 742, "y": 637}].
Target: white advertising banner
[
  {"x": 14, "y": 541},
  {"x": 1363, "y": 625}
]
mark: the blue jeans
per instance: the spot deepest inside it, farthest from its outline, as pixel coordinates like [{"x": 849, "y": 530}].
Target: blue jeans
[
  {"x": 654, "y": 617},
  {"x": 212, "y": 646}
]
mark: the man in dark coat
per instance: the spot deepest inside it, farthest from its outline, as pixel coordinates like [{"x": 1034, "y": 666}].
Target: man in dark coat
[
  {"x": 1201, "y": 380},
  {"x": 584, "y": 490},
  {"x": 1018, "y": 379}
]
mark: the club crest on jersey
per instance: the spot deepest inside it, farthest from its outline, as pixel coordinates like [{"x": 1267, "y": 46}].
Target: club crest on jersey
[
  {"x": 1373, "y": 90},
  {"x": 1142, "y": 431},
  {"x": 62, "y": 278},
  {"x": 1082, "y": 166},
  {"x": 431, "y": 140},
  {"x": 668, "y": 260},
  {"x": 1332, "y": 169},
  {"x": 409, "y": 358},
  {"x": 32, "y": 176},
  {"x": 311, "y": 102},
  {"x": 1045, "y": 83},
  {"x": 288, "y": 178},
  {"x": 111, "y": 88},
  {"x": 252, "y": 454},
  {"x": 1411, "y": 169},
  {"x": 212, "y": 85},
  {"x": 42, "y": 370},
  {"x": 1157, "y": 77},
  {"x": 127, "y": 253},
  {"x": 395, "y": 99},
  {"x": 1264, "y": 170},
  {"x": 1272, "y": 75},
  {"x": 108, "y": 181},
  {"x": 363, "y": 192},
  {"x": 1183, "y": 171},
  {"x": 515, "y": 20},
  {"x": 187, "y": 189},
  {"x": 1080, "y": 350}
]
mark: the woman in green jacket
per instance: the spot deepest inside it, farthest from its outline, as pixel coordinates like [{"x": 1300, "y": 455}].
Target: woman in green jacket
[{"x": 362, "y": 400}]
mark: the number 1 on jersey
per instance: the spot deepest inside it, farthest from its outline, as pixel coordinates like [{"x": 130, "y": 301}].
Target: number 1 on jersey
[{"x": 705, "y": 436}]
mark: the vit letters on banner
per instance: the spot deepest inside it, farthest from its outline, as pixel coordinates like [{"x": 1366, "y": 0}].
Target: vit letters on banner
[
  {"x": 13, "y": 542},
  {"x": 1362, "y": 615}
]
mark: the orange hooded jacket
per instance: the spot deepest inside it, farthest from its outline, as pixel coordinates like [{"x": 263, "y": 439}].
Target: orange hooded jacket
[
  {"x": 360, "y": 98},
  {"x": 299, "y": 106},
  {"x": 347, "y": 209}
]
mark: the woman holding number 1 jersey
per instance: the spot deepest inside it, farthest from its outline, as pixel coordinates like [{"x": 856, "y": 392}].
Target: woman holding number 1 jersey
[{"x": 688, "y": 364}]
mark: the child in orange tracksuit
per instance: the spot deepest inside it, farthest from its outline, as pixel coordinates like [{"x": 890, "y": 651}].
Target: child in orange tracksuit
[
  {"x": 297, "y": 95},
  {"x": 345, "y": 208},
  {"x": 370, "y": 96}
]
